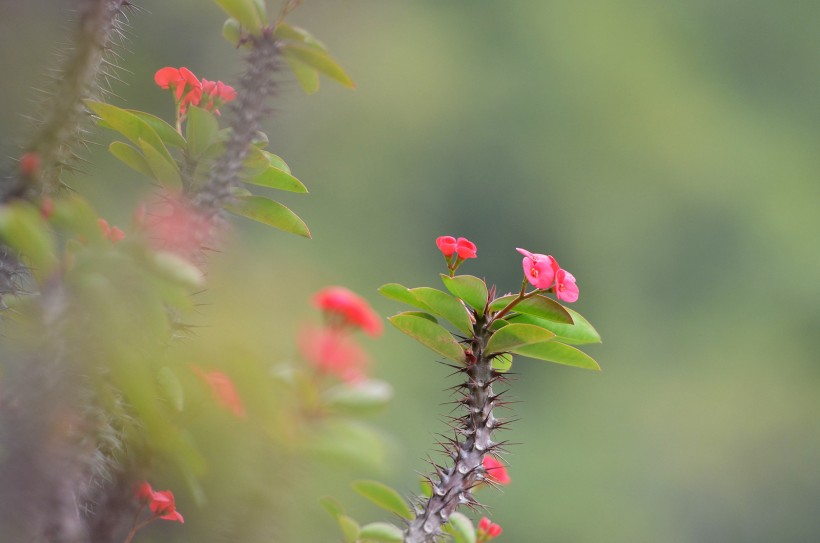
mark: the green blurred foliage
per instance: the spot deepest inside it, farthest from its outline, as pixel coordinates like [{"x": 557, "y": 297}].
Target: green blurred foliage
[{"x": 664, "y": 153}]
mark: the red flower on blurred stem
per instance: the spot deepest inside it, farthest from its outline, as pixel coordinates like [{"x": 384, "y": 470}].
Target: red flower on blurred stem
[
  {"x": 114, "y": 234},
  {"x": 333, "y": 352},
  {"x": 496, "y": 470},
  {"x": 218, "y": 93},
  {"x": 352, "y": 308},
  {"x": 539, "y": 269},
  {"x": 487, "y": 530},
  {"x": 223, "y": 390},
  {"x": 565, "y": 287},
  {"x": 160, "y": 502}
]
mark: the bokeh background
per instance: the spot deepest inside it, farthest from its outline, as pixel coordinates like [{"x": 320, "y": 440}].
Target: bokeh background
[{"x": 666, "y": 153}]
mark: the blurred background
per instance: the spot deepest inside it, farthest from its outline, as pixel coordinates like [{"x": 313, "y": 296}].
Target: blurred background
[{"x": 665, "y": 153}]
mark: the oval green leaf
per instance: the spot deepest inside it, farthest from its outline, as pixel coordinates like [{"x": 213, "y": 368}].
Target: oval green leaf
[
  {"x": 400, "y": 293},
  {"x": 167, "y": 133},
  {"x": 165, "y": 171},
  {"x": 461, "y": 528},
  {"x": 381, "y": 532},
  {"x": 359, "y": 398},
  {"x": 277, "y": 179},
  {"x": 247, "y": 12},
  {"x": 202, "y": 131},
  {"x": 469, "y": 288},
  {"x": 580, "y": 333},
  {"x": 515, "y": 335},
  {"x": 446, "y": 306},
  {"x": 129, "y": 125},
  {"x": 502, "y": 363},
  {"x": 318, "y": 60},
  {"x": 350, "y": 528},
  {"x": 552, "y": 351},
  {"x": 130, "y": 157},
  {"x": 171, "y": 387},
  {"x": 332, "y": 506},
  {"x": 422, "y": 314},
  {"x": 269, "y": 212},
  {"x": 430, "y": 334},
  {"x": 538, "y": 305},
  {"x": 307, "y": 77},
  {"x": 22, "y": 228},
  {"x": 383, "y": 496}
]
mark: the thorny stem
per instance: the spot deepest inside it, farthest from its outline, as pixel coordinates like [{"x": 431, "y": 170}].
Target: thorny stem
[{"x": 452, "y": 486}]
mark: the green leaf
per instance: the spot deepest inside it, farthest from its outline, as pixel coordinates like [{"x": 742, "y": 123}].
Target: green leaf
[
  {"x": 383, "y": 496},
  {"x": 339, "y": 439},
  {"x": 23, "y": 229},
  {"x": 516, "y": 335},
  {"x": 269, "y": 212},
  {"x": 502, "y": 362},
  {"x": 167, "y": 133},
  {"x": 307, "y": 77},
  {"x": 319, "y": 60},
  {"x": 247, "y": 12},
  {"x": 444, "y": 305},
  {"x": 285, "y": 31},
  {"x": 165, "y": 171},
  {"x": 461, "y": 528},
  {"x": 400, "y": 293},
  {"x": 201, "y": 130},
  {"x": 276, "y": 161},
  {"x": 381, "y": 532},
  {"x": 552, "y": 351},
  {"x": 579, "y": 333},
  {"x": 232, "y": 31},
  {"x": 176, "y": 269},
  {"x": 498, "y": 324},
  {"x": 129, "y": 125},
  {"x": 276, "y": 178},
  {"x": 469, "y": 288},
  {"x": 332, "y": 506},
  {"x": 538, "y": 305},
  {"x": 434, "y": 336},
  {"x": 131, "y": 157},
  {"x": 350, "y": 528},
  {"x": 171, "y": 387},
  {"x": 359, "y": 398},
  {"x": 422, "y": 314}
]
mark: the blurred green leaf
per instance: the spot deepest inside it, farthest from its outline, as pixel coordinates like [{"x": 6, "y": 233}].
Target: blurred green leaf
[
  {"x": 247, "y": 12},
  {"x": 502, "y": 362},
  {"x": 432, "y": 335},
  {"x": 350, "y": 528},
  {"x": 129, "y": 125},
  {"x": 580, "y": 333},
  {"x": 201, "y": 130},
  {"x": 383, "y": 496},
  {"x": 130, "y": 157},
  {"x": 285, "y": 31},
  {"x": 552, "y": 351},
  {"x": 332, "y": 506},
  {"x": 469, "y": 288},
  {"x": 232, "y": 31},
  {"x": 319, "y": 60},
  {"x": 269, "y": 212},
  {"x": 165, "y": 171},
  {"x": 538, "y": 305},
  {"x": 381, "y": 532},
  {"x": 461, "y": 528},
  {"x": 307, "y": 77},
  {"x": 171, "y": 387},
  {"x": 277, "y": 179},
  {"x": 400, "y": 293},
  {"x": 167, "y": 133},
  {"x": 23, "y": 228},
  {"x": 444, "y": 305},
  {"x": 516, "y": 335},
  {"x": 177, "y": 269},
  {"x": 349, "y": 441}
]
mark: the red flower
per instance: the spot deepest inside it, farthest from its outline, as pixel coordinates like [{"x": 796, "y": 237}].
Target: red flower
[
  {"x": 218, "y": 93},
  {"x": 350, "y": 307},
  {"x": 223, "y": 390},
  {"x": 30, "y": 164},
  {"x": 565, "y": 287},
  {"x": 332, "y": 352},
  {"x": 114, "y": 234},
  {"x": 539, "y": 269},
  {"x": 461, "y": 246},
  {"x": 160, "y": 502},
  {"x": 187, "y": 88},
  {"x": 487, "y": 530},
  {"x": 496, "y": 471}
]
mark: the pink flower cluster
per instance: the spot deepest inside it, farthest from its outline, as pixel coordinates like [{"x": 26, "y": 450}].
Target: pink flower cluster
[
  {"x": 331, "y": 348},
  {"x": 161, "y": 502},
  {"x": 463, "y": 247},
  {"x": 487, "y": 530},
  {"x": 114, "y": 234},
  {"x": 543, "y": 272},
  {"x": 189, "y": 90}
]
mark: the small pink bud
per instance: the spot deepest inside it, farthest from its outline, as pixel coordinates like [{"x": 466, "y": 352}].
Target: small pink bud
[
  {"x": 465, "y": 248},
  {"x": 484, "y": 524},
  {"x": 30, "y": 164},
  {"x": 447, "y": 245}
]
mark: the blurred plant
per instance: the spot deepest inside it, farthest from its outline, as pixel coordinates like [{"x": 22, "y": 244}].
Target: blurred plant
[
  {"x": 487, "y": 331},
  {"x": 95, "y": 391}
]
